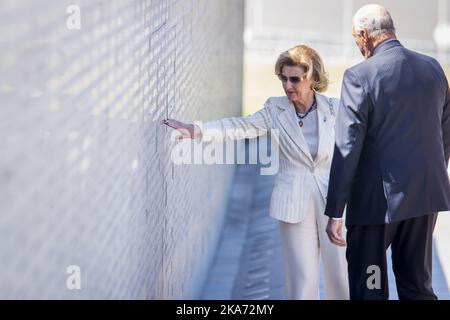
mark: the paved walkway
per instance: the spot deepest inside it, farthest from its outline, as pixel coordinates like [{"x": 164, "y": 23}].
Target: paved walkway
[{"x": 248, "y": 263}]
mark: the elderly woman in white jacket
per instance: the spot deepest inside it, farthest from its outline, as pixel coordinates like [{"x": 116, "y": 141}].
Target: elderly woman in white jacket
[{"x": 305, "y": 122}]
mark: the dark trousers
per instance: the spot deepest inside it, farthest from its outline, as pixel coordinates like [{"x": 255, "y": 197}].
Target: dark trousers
[{"x": 411, "y": 242}]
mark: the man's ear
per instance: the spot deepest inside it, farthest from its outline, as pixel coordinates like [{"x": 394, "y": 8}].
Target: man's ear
[{"x": 365, "y": 35}]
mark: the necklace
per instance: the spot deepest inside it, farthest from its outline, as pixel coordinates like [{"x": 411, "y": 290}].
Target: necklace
[{"x": 301, "y": 117}]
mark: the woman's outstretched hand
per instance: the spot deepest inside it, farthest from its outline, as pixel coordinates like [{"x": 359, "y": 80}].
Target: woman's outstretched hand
[{"x": 188, "y": 131}]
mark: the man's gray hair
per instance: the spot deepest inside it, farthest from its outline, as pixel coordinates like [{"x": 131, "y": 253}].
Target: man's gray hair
[{"x": 375, "y": 19}]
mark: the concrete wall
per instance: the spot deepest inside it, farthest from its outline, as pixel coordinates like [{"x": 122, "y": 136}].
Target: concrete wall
[{"x": 85, "y": 171}]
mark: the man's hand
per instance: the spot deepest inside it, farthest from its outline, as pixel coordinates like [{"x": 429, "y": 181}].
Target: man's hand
[{"x": 334, "y": 232}]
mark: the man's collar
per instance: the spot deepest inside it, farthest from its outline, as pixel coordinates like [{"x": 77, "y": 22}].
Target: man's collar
[{"x": 386, "y": 45}]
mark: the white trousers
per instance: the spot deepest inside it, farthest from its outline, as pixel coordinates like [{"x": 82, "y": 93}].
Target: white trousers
[{"x": 304, "y": 243}]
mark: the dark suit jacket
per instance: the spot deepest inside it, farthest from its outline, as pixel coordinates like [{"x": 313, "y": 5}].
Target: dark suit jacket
[{"x": 392, "y": 139}]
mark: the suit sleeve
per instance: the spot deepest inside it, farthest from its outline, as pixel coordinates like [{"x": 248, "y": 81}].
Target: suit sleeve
[
  {"x": 238, "y": 128},
  {"x": 446, "y": 125},
  {"x": 351, "y": 128}
]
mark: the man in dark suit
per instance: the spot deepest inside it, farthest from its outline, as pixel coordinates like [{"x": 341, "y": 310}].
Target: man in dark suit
[{"x": 389, "y": 167}]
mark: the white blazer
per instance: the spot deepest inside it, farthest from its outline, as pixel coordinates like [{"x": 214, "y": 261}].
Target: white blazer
[{"x": 298, "y": 172}]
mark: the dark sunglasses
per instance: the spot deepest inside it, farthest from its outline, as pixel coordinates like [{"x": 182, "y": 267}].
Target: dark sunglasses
[{"x": 293, "y": 80}]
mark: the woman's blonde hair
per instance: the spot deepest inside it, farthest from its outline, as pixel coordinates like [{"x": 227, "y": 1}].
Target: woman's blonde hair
[{"x": 309, "y": 59}]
